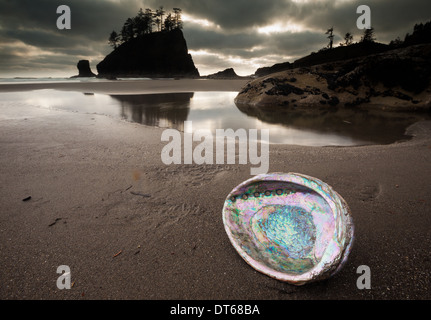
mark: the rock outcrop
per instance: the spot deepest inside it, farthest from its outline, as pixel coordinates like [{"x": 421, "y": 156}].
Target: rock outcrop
[
  {"x": 158, "y": 54},
  {"x": 84, "y": 70},
  {"x": 225, "y": 74},
  {"x": 325, "y": 56},
  {"x": 393, "y": 80},
  {"x": 261, "y": 72}
]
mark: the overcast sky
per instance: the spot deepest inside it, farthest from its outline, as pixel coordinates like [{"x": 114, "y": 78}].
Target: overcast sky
[{"x": 242, "y": 34}]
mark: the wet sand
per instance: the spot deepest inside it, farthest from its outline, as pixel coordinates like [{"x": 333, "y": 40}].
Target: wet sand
[
  {"x": 130, "y": 227},
  {"x": 131, "y": 86}
]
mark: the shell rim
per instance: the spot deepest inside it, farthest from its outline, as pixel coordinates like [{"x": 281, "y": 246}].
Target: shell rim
[{"x": 317, "y": 272}]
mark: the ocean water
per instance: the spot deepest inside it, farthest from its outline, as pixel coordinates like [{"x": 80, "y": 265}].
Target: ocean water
[
  {"x": 217, "y": 110},
  {"x": 45, "y": 80}
]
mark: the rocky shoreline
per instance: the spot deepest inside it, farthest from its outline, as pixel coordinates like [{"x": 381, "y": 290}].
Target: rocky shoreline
[{"x": 394, "y": 80}]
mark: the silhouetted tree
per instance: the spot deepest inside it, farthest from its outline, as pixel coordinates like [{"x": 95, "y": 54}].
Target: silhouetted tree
[
  {"x": 421, "y": 34},
  {"x": 139, "y": 24},
  {"x": 396, "y": 43},
  {"x": 149, "y": 18},
  {"x": 169, "y": 23},
  {"x": 143, "y": 23},
  {"x": 157, "y": 21},
  {"x": 418, "y": 27},
  {"x": 348, "y": 39},
  {"x": 330, "y": 37},
  {"x": 127, "y": 31},
  {"x": 114, "y": 39},
  {"x": 178, "y": 21},
  {"x": 368, "y": 35},
  {"x": 160, "y": 12}
]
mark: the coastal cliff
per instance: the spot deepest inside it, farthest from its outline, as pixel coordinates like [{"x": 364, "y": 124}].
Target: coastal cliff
[
  {"x": 160, "y": 54},
  {"x": 397, "y": 79}
]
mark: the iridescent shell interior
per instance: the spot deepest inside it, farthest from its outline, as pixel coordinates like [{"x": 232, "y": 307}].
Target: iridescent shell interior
[{"x": 291, "y": 227}]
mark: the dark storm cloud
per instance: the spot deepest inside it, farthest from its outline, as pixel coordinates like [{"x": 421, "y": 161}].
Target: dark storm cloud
[
  {"x": 230, "y": 14},
  {"x": 27, "y": 26},
  {"x": 243, "y": 44},
  {"x": 390, "y": 18},
  {"x": 89, "y": 18},
  {"x": 213, "y": 39},
  {"x": 298, "y": 43},
  {"x": 33, "y": 23}
]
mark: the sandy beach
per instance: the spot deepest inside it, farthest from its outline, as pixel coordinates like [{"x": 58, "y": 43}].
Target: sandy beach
[{"x": 131, "y": 227}]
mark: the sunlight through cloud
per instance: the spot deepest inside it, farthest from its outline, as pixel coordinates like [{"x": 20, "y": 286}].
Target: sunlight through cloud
[
  {"x": 202, "y": 22},
  {"x": 280, "y": 27}
]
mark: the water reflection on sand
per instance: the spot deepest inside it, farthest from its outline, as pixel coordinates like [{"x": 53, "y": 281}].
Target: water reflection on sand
[{"x": 217, "y": 110}]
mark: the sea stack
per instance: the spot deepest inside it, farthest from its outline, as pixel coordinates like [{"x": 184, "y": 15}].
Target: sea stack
[
  {"x": 155, "y": 55},
  {"x": 84, "y": 69}
]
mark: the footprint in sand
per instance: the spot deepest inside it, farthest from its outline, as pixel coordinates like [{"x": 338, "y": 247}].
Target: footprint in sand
[{"x": 369, "y": 192}]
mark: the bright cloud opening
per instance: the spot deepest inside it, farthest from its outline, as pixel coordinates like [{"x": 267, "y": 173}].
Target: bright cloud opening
[
  {"x": 281, "y": 27},
  {"x": 202, "y": 22}
]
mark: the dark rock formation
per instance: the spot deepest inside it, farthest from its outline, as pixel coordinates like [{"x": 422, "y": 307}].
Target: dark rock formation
[
  {"x": 228, "y": 73},
  {"x": 159, "y": 54},
  {"x": 421, "y": 34},
  {"x": 352, "y": 51},
  {"x": 261, "y": 72},
  {"x": 325, "y": 56},
  {"x": 84, "y": 70},
  {"x": 225, "y": 74},
  {"x": 398, "y": 79},
  {"x": 409, "y": 69}
]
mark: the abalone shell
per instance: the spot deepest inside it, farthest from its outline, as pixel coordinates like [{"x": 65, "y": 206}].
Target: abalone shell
[{"x": 289, "y": 226}]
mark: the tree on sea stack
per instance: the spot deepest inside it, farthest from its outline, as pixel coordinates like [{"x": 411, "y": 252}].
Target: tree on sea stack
[
  {"x": 127, "y": 31},
  {"x": 160, "y": 13},
  {"x": 178, "y": 22},
  {"x": 169, "y": 23},
  {"x": 150, "y": 19},
  {"x": 114, "y": 39},
  {"x": 157, "y": 22},
  {"x": 143, "y": 24},
  {"x": 140, "y": 24}
]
